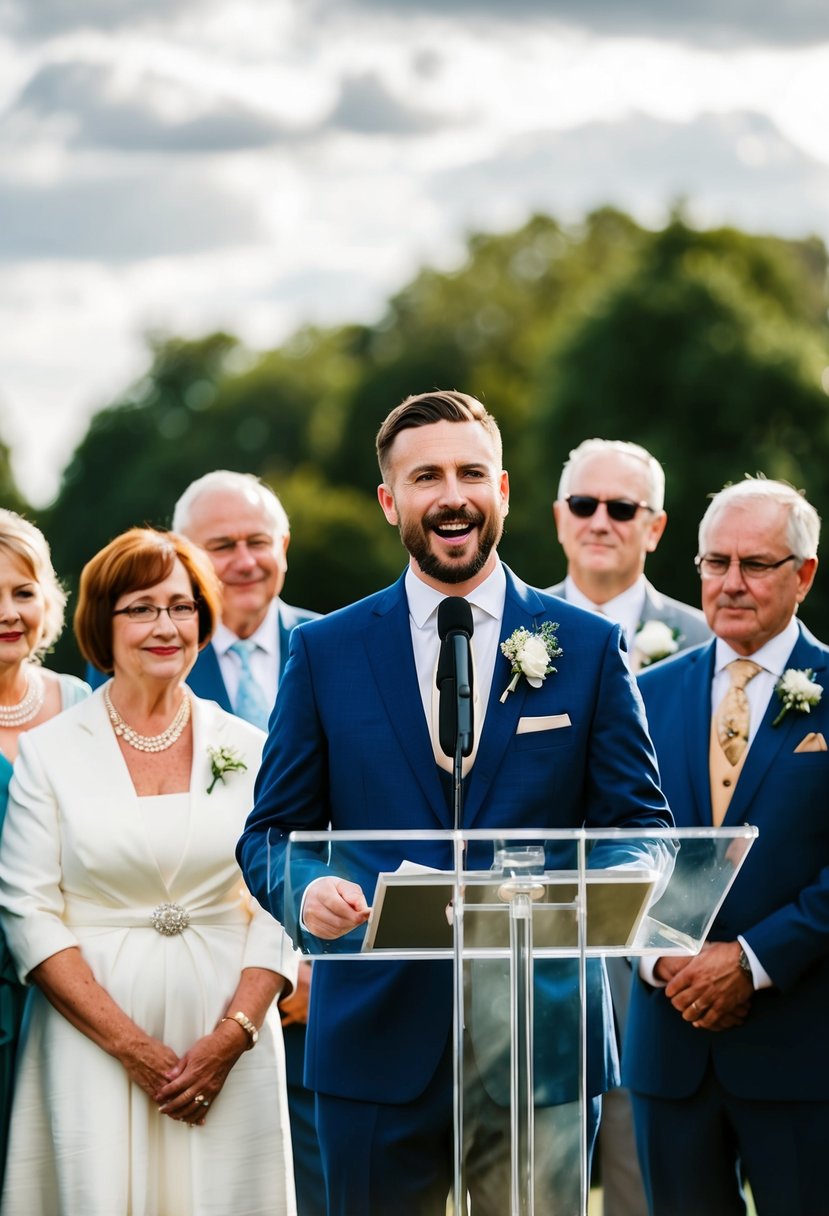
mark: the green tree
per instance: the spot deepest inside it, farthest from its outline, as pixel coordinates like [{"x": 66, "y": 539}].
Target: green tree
[{"x": 710, "y": 356}]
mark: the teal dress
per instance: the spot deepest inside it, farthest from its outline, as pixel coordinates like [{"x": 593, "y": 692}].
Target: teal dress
[{"x": 12, "y": 993}]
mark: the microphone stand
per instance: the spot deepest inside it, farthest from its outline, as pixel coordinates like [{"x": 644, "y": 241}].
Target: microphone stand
[{"x": 460, "y": 645}]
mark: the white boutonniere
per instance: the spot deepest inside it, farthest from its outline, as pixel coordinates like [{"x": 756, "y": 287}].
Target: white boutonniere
[
  {"x": 797, "y": 690},
  {"x": 530, "y": 655},
  {"x": 223, "y": 760},
  {"x": 655, "y": 640}
]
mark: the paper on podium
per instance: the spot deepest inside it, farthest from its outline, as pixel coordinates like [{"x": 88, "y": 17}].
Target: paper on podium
[{"x": 413, "y": 909}]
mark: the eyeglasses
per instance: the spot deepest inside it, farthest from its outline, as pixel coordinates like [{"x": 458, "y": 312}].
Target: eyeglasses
[
  {"x": 620, "y": 509},
  {"x": 750, "y": 567},
  {"x": 143, "y": 614}
]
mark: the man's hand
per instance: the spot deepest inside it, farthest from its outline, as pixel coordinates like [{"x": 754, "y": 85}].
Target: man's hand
[
  {"x": 333, "y": 907},
  {"x": 712, "y": 991},
  {"x": 669, "y": 965},
  {"x": 294, "y": 1007}
]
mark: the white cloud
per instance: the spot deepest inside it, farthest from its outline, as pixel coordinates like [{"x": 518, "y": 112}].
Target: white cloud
[{"x": 253, "y": 164}]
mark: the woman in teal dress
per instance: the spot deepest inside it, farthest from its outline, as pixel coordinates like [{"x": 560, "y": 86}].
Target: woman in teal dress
[{"x": 31, "y": 618}]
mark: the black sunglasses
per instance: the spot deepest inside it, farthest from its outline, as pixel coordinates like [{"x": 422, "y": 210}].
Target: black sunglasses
[{"x": 620, "y": 509}]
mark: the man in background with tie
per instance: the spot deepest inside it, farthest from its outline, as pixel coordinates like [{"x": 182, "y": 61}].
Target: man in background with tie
[
  {"x": 244, "y": 529},
  {"x": 352, "y": 745},
  {"x": 242, "y": 526},
  {"x": 726, "y": 1052},
  {"x": 610, "y": 514}
]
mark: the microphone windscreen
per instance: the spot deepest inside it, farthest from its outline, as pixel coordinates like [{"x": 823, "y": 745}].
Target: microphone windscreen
[{"x": 455, "y": 616}]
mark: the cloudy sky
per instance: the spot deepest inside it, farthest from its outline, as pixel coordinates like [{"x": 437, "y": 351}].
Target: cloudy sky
[{"x": 183, "y": 165}]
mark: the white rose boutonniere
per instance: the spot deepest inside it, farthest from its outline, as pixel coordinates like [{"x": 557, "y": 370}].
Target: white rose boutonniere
[
  {"x": 223, "y": 760},
  {"x": 530, "y": 655},
  {"x": 797, "y": 690},
  {"x": 655, "y": 640}
]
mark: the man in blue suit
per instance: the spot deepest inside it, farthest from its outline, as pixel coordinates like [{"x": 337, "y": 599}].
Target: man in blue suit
[
  {"x": 725, "y": 1053},
  {"x": 350, "y": 746}
]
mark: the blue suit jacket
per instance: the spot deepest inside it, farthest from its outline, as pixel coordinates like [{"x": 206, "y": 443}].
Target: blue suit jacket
[
  {"x": 779, "y": 902},
  {"x": 349, "y": 747},
  {"x": 206, "y": 677}
]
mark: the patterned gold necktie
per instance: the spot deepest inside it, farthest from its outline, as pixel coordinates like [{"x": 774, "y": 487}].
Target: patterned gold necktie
[{"x": 732, "y": 717}]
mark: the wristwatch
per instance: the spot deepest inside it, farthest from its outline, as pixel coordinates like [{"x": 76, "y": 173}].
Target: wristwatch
[
  {"x": 246, "y": 1024},
  {"x": 745, "y": 965}
]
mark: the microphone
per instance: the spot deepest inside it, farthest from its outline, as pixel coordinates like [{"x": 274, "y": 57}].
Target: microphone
[{"x": 454, "y": 676}]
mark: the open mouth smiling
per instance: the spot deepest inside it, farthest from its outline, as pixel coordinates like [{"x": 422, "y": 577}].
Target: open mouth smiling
[{"x": 458, "y": 530}]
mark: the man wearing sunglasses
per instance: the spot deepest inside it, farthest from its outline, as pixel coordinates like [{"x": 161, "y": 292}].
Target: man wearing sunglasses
[
  {"x": 725, "y": 1054},
  {"x": 609, "y": 515}
]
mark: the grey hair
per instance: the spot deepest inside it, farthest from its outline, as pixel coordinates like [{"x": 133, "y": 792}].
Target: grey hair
[
  {"x": 802, "y": 525},
  {"x": 589, "y": 447},
  {"x": 239, "y": 483}
]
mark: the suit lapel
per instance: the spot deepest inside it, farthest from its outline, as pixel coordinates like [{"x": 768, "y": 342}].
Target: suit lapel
[
  {"x": 206, "y": 678},
  {"x": 696, "y": 692},
  {"x": 283, "y": 634},
  {"x": 770, "y": 740},
  {"x": 389, "y": 652}
]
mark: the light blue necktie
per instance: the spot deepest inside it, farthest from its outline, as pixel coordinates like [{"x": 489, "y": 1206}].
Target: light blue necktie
[{"x": 250, "y": 700}]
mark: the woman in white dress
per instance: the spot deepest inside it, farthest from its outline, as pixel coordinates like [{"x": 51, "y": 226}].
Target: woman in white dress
[{"x": 151, "y": 1080}]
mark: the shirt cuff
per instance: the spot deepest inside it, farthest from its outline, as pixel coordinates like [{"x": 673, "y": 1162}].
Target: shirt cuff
[
  {"x": 760, "y": 977},
  {"x": 647, "y": 966},
  {"x": 311, "y": 884}
]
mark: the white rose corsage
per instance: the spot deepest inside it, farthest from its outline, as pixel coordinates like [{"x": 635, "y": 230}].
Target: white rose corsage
[
  {"x": 797, "y": 690},
  {"x": 223, "y": 760},
  {"x": 655, "y": 640},
  {"x": 531, "y": 655}
]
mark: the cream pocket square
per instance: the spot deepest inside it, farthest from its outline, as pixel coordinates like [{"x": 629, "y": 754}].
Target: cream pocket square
[
  {"x": 813, "y": 742},
  {"x": 526, "y": 726}
]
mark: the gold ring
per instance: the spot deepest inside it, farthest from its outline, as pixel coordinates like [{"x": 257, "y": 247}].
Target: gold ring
[{"x": 200, "y": 1098}]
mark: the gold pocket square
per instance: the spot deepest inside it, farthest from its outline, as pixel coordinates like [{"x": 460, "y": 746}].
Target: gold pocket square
[
  {"x": 526, "y": 726},
  {"x": 813, "y": 742}
]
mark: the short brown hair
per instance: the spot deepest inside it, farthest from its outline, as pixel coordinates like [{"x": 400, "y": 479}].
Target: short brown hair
[
  {"x": 441, "y": 405},
  {"x": 135, "y": 560}
]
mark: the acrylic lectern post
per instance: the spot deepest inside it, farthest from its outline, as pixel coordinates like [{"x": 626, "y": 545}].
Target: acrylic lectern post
[{"x": 526, "y": 919}]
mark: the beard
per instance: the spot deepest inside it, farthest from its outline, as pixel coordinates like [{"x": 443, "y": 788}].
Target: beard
[{"x": 415, "y": 535}]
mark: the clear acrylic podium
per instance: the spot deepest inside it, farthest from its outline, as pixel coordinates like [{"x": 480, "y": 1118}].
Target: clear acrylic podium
[{"x": 527, "y": 918}]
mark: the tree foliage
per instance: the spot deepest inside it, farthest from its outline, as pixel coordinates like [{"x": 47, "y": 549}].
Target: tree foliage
[{"x": 707, "y": 347}]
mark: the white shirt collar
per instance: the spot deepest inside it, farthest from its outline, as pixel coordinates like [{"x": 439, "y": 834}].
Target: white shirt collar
[
  {"x": 772, "y": 657},
  {"x": 265, "y": 636},
  {"x": 625, "y": 609},
  {"x": 489, "y": 596}
]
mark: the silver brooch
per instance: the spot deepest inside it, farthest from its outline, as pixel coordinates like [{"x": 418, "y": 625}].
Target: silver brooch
[{"x": 169, "y": 919}]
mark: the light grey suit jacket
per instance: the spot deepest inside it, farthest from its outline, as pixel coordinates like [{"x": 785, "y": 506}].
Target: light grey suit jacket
[{"x": 690, "y": 622}]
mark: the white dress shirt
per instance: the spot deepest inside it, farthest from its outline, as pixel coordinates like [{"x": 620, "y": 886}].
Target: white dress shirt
[
  {"x": 772, "y": 658},
  {"x": 487, "y": 603},
  {"x": 626, "y": 609},
  {"x": 264, "y": 660}
]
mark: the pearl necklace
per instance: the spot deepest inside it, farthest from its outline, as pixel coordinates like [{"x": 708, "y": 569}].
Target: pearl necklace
[
  {"x": 148, "y": 743},
  {"x": 29, "y": 707}
]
